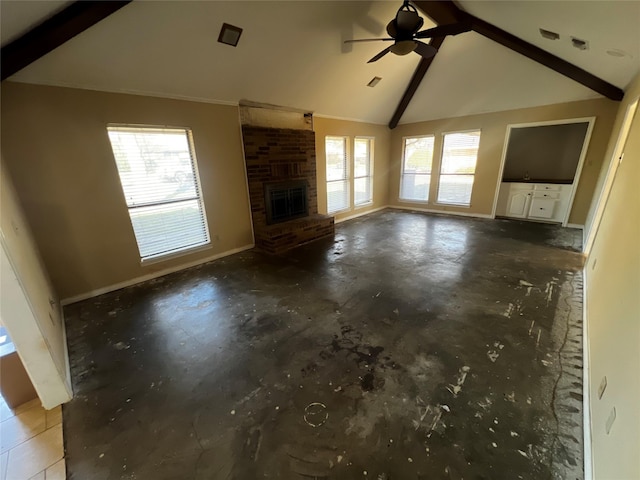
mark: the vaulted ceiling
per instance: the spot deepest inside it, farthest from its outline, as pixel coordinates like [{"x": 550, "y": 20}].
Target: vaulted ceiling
[{"x": 292, "y": 54}]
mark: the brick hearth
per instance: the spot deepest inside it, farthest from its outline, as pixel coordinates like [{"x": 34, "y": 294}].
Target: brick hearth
[{"x": 274, "y": 155}]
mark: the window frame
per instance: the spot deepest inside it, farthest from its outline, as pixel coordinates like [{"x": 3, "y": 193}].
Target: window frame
[
  {"x": 441, "y": 161},
  {"x": 371, "y": 141},
  {"x": 402, "y": 169},
  {"x": 347, "y": 171},
  {"x": 160, "y": 257}
]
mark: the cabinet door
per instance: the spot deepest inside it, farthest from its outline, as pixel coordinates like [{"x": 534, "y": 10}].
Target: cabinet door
[
  {"x": 518, "y": 206},
  {"x": 542, "y": 208}
]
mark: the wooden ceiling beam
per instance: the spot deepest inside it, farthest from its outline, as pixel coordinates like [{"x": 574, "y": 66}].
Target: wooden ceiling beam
[
  {"x": 444, "y": 12},
  {"x": 418, "y": 75},
  {"x": 545, "y": 58},
  {"x": 53, "y": 32}
]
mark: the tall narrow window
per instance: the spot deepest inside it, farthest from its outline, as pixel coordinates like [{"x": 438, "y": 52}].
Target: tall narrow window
[
  {"x": 458, "y": 167},
  {"x": 362, "y": 171},
  {"x": 337, "y": 174},
  {"x": 416, "y": 168},
  {"x": 160, "y": 183}
]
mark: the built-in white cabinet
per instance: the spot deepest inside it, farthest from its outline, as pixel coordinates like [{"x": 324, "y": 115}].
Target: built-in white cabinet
[{"x": 536, "y": 201}]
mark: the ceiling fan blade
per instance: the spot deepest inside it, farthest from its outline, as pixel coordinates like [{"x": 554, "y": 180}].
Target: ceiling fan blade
[
  {"x": 444, "y": 30},
  {"x": 380, "y": 55},
  {"x": 424, "y": 50},
  {"x": 370, "y": 40}
]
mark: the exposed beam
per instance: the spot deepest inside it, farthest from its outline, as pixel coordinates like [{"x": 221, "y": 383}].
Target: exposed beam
[
  {"x": 442, "y": 12},
  {"x": 418, "y": 75},
  {"x": 445, "y": 11},
  {"x": 53, "y": 32},
  {"x": 547, "y": 59}
]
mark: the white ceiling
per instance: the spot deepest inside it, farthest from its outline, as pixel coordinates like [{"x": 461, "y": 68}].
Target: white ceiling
[{"x": 291, "y": 54}]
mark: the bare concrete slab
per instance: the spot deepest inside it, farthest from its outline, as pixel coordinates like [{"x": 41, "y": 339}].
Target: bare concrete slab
[{"x": 411, "y": 346}]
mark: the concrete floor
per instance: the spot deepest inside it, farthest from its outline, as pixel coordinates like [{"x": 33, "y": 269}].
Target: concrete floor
[{"x": 411, "y": 346}]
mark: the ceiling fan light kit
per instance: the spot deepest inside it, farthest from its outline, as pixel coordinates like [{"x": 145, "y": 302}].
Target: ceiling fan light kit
[{"x": 404, "y": 31}]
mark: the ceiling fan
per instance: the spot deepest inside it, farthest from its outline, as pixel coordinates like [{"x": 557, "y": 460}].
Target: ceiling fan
[{"x": 403, "y": 32}]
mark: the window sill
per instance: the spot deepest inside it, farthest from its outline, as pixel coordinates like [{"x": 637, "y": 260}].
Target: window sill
[
  {"x": 362, "y": 205},
  {"x": 421, "y": 202},
  {"x": 459, "y": 205},
  {"x": 175, "y": 254}
]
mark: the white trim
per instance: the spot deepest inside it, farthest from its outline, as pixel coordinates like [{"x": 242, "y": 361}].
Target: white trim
[
  {"x": 576, "y": 178},
  {"x": 346, "y": 119},
  {"x": 360, "y": 214},
  {"x": 442, "y": 212},
  {"x": 614, "y": 163},
  {"x": 126, "y": 91},
  {"x": 246, "y": 176},
  {"x": 150, "y": 276},
  {"x": 586, "y": 390},
  {"x": 574, "y": 225}
]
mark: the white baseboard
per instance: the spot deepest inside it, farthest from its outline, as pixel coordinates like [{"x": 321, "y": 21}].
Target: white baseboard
[
  {"x": 441, "y": 212},
  {"x": 360, "y": 214},
  {"x": 151, "y": 276},
  {"x": 575, "y": 225}
]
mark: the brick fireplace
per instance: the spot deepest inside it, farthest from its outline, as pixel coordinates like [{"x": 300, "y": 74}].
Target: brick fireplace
[{"x": 281, "y": 171}]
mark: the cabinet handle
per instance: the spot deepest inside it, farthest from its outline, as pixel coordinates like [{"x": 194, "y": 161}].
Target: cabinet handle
[{"x": 541, "y": 208}]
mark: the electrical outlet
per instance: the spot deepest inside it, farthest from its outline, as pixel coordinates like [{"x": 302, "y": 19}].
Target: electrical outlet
[
  {"x": 602, "y": 387},
  {"x": 610, "y": 420}
]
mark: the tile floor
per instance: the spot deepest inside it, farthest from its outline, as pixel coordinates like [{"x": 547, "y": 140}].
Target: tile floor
[{"x": 31, "y": 445}]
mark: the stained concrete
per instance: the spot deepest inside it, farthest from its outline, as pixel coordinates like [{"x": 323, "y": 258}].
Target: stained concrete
[{"x": 411, "y": 346}]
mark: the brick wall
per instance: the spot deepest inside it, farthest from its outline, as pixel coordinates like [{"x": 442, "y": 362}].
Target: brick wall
[{"x": 274, "y": 155}]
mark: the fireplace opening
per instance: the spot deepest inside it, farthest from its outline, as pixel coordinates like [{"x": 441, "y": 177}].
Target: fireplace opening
[{"x": 286, "y": 201}]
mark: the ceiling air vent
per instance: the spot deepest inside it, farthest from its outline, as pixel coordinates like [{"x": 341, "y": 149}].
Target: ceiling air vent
[
  {"x": 229, "y": 34},
  {"x": 548, "y": 34},
  {"x": 579, "y": 44},
  {"x": 374, "y": 81}
]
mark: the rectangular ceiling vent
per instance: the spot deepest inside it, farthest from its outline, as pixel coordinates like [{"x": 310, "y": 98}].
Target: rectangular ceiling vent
[
  {"x": 229, "y": 34},
  {"x": 579, "y": 44},
  {"x": 548, "y": 34},
  {"x": 374, "y": 81}
]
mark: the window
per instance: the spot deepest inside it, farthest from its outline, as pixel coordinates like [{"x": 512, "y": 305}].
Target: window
[
  {"x": 458, "y": 167},
  {"x": 416, "y": 168},
  {"x": 337, "y": 174},
  {"x": 159, "y": 179},
  {"x": 362, "y": 186}
]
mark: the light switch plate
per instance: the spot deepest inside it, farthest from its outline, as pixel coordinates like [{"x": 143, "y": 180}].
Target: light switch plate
[
  {"x": 602, "y": 387},
  {"x": 611, "y": 419}
]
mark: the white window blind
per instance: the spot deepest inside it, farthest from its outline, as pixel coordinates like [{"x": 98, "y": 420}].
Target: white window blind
[
  {"x": 458, "y": 167},
  {"x": 362, "y": 171},
  {"x": 159, "y": 180},
  {"x": 416, "y": 168},
  {"x": 337, "y": 174}
]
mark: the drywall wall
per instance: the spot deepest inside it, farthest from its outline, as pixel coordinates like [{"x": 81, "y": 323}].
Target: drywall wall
[
  {"x": 612, "y": 274},
  {"x": 494, "y": 128},
  {"x": 29, "y": 307},
  {"x": 55, "y": 145},
  {"x": 346, "y": 128}
]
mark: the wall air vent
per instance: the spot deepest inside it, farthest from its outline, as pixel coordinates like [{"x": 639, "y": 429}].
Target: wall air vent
[
  {"x": 374, "y": 81},
  {"x": 579, "y": 44},
  {"x": 548, "y": 34}
]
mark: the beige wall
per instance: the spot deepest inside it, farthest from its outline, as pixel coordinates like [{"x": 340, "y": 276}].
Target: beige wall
[
  {"x": 613, "y": 314},
  {"x": 345, "y": 128},
  {"x": 494, "y": 129},
  {"x": 55, "y": 145},
  {"x": 29, "y": 308}
]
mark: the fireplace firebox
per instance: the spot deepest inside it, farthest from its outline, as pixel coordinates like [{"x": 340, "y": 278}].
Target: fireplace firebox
[{"x": 285, "y": 201}]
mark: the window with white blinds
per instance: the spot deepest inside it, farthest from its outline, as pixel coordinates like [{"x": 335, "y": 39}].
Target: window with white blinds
[
  {"x": 159, "y": 180},
  {"x": 337, "y": 174},
  {"x": 416, "y": 168},
  {"x": 458, "y": 167},
  {"x": 362, "y": 170}
]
